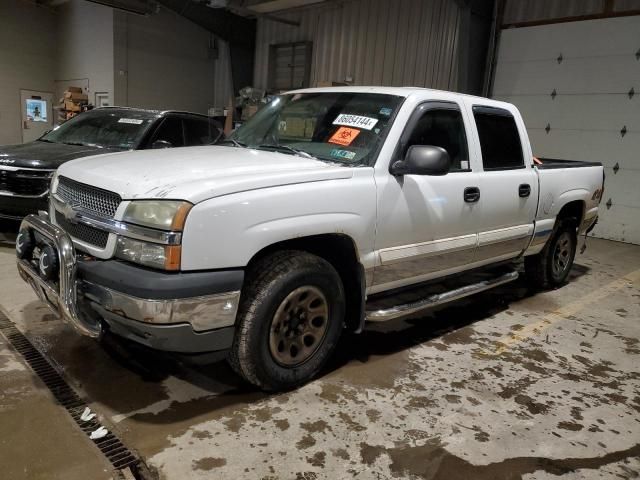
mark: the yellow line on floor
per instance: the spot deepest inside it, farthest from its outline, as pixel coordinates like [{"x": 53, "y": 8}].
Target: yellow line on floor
[{"x": 563, "y": 312}]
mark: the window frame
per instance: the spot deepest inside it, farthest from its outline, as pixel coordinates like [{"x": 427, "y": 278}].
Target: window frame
[
  {"x": 420, "y": 110},
  {"x": 498, "y": 112}
]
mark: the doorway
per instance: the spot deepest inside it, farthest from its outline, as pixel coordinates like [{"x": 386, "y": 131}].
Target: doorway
[{"x": 37, "y": 114}]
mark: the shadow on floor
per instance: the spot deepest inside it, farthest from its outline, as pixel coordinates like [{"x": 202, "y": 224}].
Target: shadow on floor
[{"x": 8, "y": 231}]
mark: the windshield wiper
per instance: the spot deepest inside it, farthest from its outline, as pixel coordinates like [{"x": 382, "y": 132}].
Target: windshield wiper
[
  {"x": 235, "y": 142},
  {"x": 287, "y": 148},
  {"x": 45, "y": 140},
  {"x": 77, "y": 144}
]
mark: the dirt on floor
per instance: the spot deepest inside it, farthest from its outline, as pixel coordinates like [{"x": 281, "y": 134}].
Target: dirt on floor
[{"x": 505, "y": 385}]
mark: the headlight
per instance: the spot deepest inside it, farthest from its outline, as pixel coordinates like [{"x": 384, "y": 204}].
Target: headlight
[
  {"x": 165, "y": 257},
  {"x": 162, "y": 214}
]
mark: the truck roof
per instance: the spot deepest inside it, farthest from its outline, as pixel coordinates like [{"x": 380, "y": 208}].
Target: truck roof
[{"x": 398, "y": 91}]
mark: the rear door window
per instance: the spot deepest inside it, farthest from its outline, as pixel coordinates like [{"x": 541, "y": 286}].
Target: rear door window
[{"x": 499, "y": 138}]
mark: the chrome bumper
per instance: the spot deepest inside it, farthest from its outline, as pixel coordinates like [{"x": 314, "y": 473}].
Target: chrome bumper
[
  {"x": 203, "y": 313},
  {"x": 61, "y": 298}
]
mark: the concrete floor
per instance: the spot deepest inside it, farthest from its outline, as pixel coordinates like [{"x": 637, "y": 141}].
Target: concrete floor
[{"x": 506, "y": 385}]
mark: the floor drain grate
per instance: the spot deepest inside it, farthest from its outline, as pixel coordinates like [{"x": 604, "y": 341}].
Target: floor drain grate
[{"x": 112, "y": 448}]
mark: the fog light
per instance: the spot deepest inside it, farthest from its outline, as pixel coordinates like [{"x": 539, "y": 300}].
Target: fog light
[
  {"x": 24, "y": 244},
  {"x": 48, "y": 263}
]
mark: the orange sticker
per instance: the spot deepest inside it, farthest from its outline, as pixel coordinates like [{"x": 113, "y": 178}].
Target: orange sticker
[{"x": 344, "y": 136}]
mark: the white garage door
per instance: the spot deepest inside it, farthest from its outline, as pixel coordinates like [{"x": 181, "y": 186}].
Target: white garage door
[{"x": 578, "y": 88}]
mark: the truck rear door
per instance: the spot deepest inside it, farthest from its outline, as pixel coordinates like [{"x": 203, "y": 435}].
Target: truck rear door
[{"x": 508, "y": 183}]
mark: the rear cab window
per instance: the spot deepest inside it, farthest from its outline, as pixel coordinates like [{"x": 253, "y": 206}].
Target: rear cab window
[{"x": 500, "y": 141}]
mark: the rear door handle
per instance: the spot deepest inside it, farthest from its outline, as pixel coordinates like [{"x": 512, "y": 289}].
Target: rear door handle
[
  {"x": 471, "y": 194},
  {"x": 524, "y": 190}
]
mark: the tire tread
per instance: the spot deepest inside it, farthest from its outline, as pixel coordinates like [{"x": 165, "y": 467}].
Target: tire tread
[
  {"x": 263, "y": 273},
  {"x": 537, "y": 267}
]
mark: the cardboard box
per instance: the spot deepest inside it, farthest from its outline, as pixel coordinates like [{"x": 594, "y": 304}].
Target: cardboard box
[
  {"x": 70, "y": 106},
  {"x": 74, "y": 89},
  {"x": 325, "y": 83},
  {"x": 293, "y": 127},
  {"x": 309, "y": 127},
  {"x": 76, "y": 97},
  {"x": 249, "y": 111}
]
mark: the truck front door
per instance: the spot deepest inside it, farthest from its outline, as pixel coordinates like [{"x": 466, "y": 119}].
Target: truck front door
[{"x": 427, "y": 225}]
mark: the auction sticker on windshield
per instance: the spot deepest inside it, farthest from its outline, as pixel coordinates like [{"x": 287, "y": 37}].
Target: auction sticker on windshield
[
  {"x": 355, "y": 121},
  {"x": 344, "y": 136},
  {"x": 134, "y": 121},
  {"x": 344, "y": 154}
]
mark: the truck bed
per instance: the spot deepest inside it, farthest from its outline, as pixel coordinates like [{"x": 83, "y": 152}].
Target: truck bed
[{"x": 551, "y": 163}]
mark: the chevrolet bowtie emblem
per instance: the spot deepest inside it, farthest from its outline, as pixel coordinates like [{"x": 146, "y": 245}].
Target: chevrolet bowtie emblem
[{"x": 70, "y": 212}]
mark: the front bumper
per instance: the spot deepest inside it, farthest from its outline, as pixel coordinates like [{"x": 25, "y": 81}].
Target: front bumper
[{"x": 176, "y": 312}]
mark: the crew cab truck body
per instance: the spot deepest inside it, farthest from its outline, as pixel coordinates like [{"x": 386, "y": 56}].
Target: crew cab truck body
[{"x": 316, "y": 212}]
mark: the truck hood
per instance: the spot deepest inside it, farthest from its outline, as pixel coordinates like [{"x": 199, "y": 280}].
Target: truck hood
[
  {"x": 45, "y": 155},
  {"x": 197, "y": 173}
]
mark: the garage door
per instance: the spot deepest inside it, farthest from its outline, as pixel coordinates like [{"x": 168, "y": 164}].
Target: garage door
[{"x": 578, "y": 88}]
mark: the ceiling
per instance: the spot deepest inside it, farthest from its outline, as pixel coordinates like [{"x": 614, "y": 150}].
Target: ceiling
[{"x": 268, "y": 6}]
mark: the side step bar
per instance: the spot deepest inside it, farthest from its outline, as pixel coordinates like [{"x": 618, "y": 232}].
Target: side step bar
[{"x": 438, "y": 299}]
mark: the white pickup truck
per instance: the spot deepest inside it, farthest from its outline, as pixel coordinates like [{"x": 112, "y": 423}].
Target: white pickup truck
[{"x": 329, "y": 208}]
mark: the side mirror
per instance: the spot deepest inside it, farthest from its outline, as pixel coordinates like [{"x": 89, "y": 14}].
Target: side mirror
[
  {"x": 161, "y": 144},
  {"x": 423, "y": 160}
]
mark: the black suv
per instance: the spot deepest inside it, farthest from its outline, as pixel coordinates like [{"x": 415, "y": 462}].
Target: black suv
[{"x": 26, "y": 170}]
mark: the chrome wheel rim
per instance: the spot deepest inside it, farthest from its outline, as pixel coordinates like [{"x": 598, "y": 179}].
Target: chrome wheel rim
[
  {"x": 562, "y": 255},
  {"x": 299, "y": 326}
]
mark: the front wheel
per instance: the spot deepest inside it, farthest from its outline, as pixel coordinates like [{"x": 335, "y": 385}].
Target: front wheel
[
  {"x": 289, "y": 321},
  {"x": 550, "y": 268}
]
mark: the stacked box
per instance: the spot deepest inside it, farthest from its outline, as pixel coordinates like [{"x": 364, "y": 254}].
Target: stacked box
[{"x": 73, "y": 102}]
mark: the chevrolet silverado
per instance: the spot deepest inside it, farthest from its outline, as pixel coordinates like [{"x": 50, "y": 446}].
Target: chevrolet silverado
[{"x": 328, "y": 209}]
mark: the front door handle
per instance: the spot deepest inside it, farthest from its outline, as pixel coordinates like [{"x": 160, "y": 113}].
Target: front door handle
[
  {"x": 524, "y": 190},
  {"x": 471, "y": 194}
]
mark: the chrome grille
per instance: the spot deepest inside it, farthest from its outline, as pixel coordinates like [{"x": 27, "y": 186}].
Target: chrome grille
[
  {"x": 84, "y": 233},
  {"x": 92, "y": 199}
]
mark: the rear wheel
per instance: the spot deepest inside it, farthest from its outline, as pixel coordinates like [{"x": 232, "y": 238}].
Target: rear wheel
[
  {"x": 550, "y": 268},
  {"x": 289, "y": 321}
]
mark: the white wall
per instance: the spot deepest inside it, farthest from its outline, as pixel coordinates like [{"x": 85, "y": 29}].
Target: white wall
[
  {"x": 592, "y": 81},
  {"x": 162, "y": 61},
  {"x": 27, "y": 60},
  {"x": 85, "y": 46}
]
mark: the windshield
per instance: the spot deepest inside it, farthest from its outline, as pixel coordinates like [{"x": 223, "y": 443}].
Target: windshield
[
  {"x": 103, "y": 128},
  {"x": 335, "y": 126}
]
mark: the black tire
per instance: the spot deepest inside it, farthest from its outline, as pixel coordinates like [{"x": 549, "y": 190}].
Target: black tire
[
  {"x": 546, "y": 270},
  {"x": 269, "y": 286}
]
